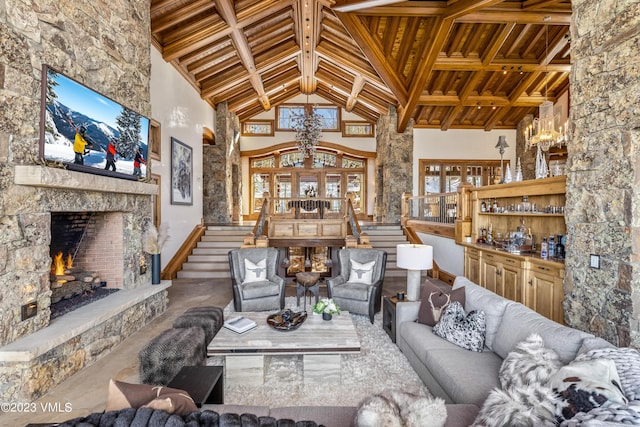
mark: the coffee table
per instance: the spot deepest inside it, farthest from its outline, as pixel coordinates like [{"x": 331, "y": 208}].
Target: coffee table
[{"x": 320, "y": 343}]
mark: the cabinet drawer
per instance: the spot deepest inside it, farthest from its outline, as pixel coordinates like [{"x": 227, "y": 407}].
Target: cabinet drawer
[
  {"x": 504, "y": 259},
  {"x": 547, "y": 269},
  {"x": 472, "y": 252}
]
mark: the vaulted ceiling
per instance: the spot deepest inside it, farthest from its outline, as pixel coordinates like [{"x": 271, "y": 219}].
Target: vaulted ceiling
[{"x": 457, "y": 64}]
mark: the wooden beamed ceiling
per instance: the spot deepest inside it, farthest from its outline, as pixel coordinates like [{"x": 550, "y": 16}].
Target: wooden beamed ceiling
[{"x": 457, "y": 64}]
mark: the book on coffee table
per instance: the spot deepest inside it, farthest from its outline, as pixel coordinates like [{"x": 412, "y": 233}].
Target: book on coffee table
[{"x": 240, "y": 324}]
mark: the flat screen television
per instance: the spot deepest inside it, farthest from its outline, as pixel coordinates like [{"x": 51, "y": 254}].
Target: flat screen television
[{"x": 88, "y": 132}]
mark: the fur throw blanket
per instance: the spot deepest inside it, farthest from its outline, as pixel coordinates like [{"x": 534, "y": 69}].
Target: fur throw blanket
[
  {"x": 147, "y": 417},
  {"x": 400, "y": 409}
]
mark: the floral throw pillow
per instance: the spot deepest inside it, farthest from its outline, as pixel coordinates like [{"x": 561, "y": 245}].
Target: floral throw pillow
[
  {"x": 466, "y": 331},
  {"x": 255, "y": 272}
]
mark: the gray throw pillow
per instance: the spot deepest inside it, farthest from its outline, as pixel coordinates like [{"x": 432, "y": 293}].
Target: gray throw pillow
[{"x": 466, "y": 331}]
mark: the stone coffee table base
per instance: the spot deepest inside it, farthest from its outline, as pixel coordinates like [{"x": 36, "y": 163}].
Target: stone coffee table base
[{"x": 319, "y": 343}]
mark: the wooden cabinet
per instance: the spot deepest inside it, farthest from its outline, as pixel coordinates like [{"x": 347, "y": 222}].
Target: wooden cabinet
[
  {"x": 544, "y": 290},
  {"x": 522, "y": 277},
  {"x": 503, "y": 275},
  {"x": 472, "y": 264}
]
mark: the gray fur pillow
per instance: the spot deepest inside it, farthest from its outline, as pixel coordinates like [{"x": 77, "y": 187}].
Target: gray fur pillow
[
  {"x": 468, "y": 331},
  {"x": 399, "y": 409},
  {"x": 527, "y": 406},
  {"x": 529, "y": 363}
]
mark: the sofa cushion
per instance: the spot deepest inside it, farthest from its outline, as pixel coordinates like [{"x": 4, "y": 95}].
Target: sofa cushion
[
  {"x": 421, "y": 339},
  {"x": 262, "y": 289},
  {"x": 460, "y": 414},
  {"x": 478, "y": 298},
  {"x": 435, "y": 300},
  {"x": 519, "y": 322},
  {"x": 464, "y": 330},
  {"x": 468, "y": 377}
]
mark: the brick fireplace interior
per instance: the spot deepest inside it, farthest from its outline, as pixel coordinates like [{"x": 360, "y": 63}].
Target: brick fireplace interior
[{"x": 87, "y": 254}]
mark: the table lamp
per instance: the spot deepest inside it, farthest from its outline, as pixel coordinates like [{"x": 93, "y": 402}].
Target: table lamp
[{"x": 414, "y": 258}]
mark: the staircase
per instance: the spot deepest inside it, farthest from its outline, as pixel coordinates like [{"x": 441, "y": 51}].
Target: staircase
[
  {"x": 386, "y": 237},
  {"x": 209, "y": 258}
]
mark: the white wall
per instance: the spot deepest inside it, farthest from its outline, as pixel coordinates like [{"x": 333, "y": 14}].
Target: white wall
[
  {"x": 448, "y": 254},
  {"x": 182, "y": 114},
  {"x": 459, "y": 144}
]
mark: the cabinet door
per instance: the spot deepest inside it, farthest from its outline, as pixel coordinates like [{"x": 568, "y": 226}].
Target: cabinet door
[
  {"x": 490, "y": 274},
  {"x": 512, "y": 282},
  {"x": 544, "y": 295},
  {"x": 472, "y": 265}
]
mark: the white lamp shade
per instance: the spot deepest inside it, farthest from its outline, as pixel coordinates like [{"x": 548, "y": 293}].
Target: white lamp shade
[{"x": 414, "y": 257}]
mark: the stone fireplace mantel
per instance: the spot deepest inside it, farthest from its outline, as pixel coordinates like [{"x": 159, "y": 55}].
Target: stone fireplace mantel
[{"x": 44, "y": 176}]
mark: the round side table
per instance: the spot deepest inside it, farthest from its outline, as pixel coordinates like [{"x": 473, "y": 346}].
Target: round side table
[{"x": 307, "y": 281}]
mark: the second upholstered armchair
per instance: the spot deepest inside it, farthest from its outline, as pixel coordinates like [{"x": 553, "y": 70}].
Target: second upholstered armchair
[{"x": 358, "y": 287}]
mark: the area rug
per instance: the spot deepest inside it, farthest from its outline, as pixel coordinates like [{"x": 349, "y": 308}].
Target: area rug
[{"x": 379, "y": 366}]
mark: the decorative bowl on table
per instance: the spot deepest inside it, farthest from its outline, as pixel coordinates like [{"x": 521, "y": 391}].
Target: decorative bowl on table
[{"x": 286, "y": 320}]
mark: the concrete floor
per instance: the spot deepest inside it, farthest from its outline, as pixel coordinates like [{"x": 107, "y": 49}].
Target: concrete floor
[{"x": 86, "y": 391}]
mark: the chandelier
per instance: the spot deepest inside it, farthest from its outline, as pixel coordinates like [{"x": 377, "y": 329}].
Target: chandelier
[
  {"x": 308, "y": 129},
  {"x": 542, "y": 132}
]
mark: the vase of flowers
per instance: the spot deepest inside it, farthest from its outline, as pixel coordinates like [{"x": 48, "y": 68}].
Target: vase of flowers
[
  {"x": 327, "y": 307},
  {"x": 152, "y": 242}
]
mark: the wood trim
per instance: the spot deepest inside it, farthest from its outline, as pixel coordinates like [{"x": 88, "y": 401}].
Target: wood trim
[
  {"x": 442, "y": 230},
  {"x": 170, "y": 272},
  {"x": 291, "y": 145}
]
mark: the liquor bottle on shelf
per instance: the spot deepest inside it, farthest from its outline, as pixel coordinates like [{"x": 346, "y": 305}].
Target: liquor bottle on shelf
[
  {"x": 560, "y": 247},
  {"x": 544, "y": 249},
  {"x": 551, "y": 250},
  {"x": 483, "y": 206}
]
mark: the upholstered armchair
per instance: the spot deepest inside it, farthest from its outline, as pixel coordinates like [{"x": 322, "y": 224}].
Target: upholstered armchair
[
  {"x": 256, "y": 284},
  {"x": 358, "y": 287}
]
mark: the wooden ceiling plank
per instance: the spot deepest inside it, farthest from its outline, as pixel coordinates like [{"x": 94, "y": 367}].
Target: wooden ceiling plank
[
  {"x": 497, "y": 42},
  {"x": 464, "y": 7},
  {"x": 538, "y": 4},
  {"x": 185, "y": 13},
  {"x": 375, "y": 57}
]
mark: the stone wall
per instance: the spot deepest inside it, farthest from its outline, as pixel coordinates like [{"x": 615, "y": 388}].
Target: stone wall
[
  {"x": 603, "y": 179},
  {"x": 102, "y": 44},
  {"x": 222, "y": 184},
  {"x": 394, "y": 167}
]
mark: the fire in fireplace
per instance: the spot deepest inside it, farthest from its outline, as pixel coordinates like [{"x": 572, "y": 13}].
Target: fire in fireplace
[{"x": 85, "y": 249}]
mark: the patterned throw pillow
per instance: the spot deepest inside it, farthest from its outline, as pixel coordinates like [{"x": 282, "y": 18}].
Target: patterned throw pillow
[
  {"x": 467, "y": 331},
  {"x": 583, "y": 386},
  {"x": 435, "y": 300},
  {"x": 529, "y": 363},
  {"x": 255, "y": 272},
  {"x": 361, "y": 273}
]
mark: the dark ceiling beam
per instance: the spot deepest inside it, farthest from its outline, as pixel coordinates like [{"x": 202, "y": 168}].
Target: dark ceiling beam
[{"x": 376, "y": 58}]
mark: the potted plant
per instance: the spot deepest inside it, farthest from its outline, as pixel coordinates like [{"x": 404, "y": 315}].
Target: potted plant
[
  {"x": 327, "y": 307},
  {"x": 152, "y": 242}
]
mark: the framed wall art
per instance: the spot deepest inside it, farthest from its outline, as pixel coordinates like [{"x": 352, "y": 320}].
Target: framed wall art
[{"x": 181, "y": 173}]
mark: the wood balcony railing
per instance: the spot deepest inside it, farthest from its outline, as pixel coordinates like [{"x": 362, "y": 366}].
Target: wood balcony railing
[
  {"x": 310, "y": 221},
  {"x": 441, "y": 214}
]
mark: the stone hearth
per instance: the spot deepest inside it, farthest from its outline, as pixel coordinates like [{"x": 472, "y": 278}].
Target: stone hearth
[{"x": 39, "y": 353}]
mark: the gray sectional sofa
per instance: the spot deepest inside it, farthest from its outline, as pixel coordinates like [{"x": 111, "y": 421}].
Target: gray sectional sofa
[{"x": 461, "y": 376}]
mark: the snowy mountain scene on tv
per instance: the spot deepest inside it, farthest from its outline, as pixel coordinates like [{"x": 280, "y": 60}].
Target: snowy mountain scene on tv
[{"x": 89, "y": 132}]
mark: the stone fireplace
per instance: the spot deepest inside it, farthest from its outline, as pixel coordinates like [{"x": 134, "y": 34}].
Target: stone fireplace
[{"x": 99, "y": 221}]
